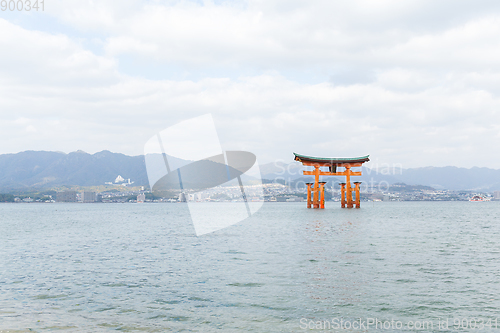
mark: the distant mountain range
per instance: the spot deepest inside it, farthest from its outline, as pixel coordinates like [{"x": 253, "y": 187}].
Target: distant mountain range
[
  {"x": 43, "y": 169},
  {"x": 450, "y": 178}
]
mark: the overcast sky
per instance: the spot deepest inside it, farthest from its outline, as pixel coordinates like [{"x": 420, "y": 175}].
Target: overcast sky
[{"x": 415, "y": 83}]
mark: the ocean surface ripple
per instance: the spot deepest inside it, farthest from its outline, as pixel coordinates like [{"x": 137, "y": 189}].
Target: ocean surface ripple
[{"x": 140, "y": 267}]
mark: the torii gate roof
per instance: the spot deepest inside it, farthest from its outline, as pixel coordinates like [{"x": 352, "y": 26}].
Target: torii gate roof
[{"x": 331, "y": 160}]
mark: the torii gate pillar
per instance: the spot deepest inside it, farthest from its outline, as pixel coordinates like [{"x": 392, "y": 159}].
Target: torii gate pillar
[
  {"x": 322, "y": 195},
  {"x": 342, "y": 195},
  {"x": 356, "y": 187},
  {"x": 309, "y": 194}
]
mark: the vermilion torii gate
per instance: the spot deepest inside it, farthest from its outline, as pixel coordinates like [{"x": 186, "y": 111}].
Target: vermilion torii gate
[{"x": 316, "y": 194}]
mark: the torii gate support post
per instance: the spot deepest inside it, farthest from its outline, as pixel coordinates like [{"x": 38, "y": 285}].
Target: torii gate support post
[
  {"x": 348, "y": 184},
  {"x": 316, "y": 187},
  {"x": 356, "y": 186},
  {"x": 308, "y": 195},
  {"x": 322, "y": 197},
  {"x": 342, "y": 195}
]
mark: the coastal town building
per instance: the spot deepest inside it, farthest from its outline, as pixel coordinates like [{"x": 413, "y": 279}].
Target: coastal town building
[
  {"x": 66, "y": 196},
  {"x": 89, "y": 196}
]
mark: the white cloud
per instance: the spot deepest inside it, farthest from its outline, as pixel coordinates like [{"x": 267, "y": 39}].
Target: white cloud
[
  {"x": 34, "y": 57},
  {"x": 392, "y": 79},
  {"x": 322, "y": 35}
]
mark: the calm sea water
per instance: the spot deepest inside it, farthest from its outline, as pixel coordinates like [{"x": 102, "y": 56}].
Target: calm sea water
[{"x": 140, "y": 267}]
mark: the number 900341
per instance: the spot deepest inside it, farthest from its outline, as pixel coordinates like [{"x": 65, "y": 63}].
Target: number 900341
[{"x": 22, "y": 5}]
